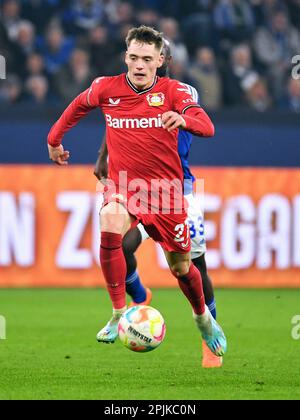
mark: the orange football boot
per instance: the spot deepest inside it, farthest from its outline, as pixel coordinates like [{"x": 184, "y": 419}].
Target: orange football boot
[
  {"x": 209, "y": 360},
  {"x": 146, "y": 302}
]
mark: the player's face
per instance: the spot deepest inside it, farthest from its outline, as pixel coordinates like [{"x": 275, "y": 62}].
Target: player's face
[{"x": 142, "y": 60}]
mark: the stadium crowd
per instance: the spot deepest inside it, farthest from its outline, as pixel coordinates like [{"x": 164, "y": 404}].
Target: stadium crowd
[{"x": 236, "y": 53}]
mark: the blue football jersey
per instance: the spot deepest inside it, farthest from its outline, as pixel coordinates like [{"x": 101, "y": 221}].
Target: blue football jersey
[{"x": 184, "y": 146}]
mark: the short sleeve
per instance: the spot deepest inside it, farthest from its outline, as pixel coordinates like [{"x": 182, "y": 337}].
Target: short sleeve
[
  {"x": 184, "y": 96},
  {"x": 95, "y": 92}
]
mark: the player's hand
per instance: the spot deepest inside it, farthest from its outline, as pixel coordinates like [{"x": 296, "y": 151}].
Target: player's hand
[
  {"x": 101, "y": 169},
  {"x": 58, "y": 155},
  {"x": 172, "y": 120}
]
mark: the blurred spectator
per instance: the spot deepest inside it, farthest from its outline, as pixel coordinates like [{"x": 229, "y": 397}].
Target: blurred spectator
[
  {"x": 125, "y": 14},
  {"x": 147, "y": 17},
  {"x": 207, "y": 79},
  {"x": 291, "y": 100},
  {"x": 11, "y": 11},
  {"x": 191, "y": 7},
  {"x": 198, "y": 30},
  {"x": 110, "y": 10},
  {"x": 40, "y": 12},
  {"x": 7, "y": 50},
  {"x": 275, "y": 47},
  {"x": 239, "y": 67},
  {"x": 83, "y": 15},
  {"x": 234, "y": 20},
  {"x": 169, "y": 27},
  {"x": 256, "y": 93},
  {"x": 120, "y": 33},
  {"x": 294, "y": 9},
  {"x": 264, "y": 9},
  {"x": 37, "y": 90},
  {"x": 26, "y": 36},
  {"x": 34, "y": 44},
  {"x": 103, "y": 53},
  {"x": 24, "y": 44},
  {"x": 196, "y": 23},
  {"x": 10, "y": 90},
  {"x": 35, "y": 65},
  {"x": 124, "y": 20},
  {"x": 3, "y": 35},
  {"x": 178, "y": 70},
  {"x": 154, "y": 5},
  {"x": 56, "y": 49},
  {"x": 75, "y": 77}
]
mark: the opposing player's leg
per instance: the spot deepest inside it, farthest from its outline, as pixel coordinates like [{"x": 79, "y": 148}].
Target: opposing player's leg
[
  {"x": 208, "y": 288},
  {"x": 209, "y": 360},
  {"x": 198, "y": 249},
  {"x": 172, "y": 232},
  {"x": 139, "y": 294},
  {"x": 190, "y": 282},
  {"x": 115, "y": 222},
  {"x": 198, "y": 244}
]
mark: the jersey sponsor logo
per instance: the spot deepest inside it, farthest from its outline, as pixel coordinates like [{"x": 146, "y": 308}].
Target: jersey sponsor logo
[
  {"x": 154, "y": 122},
  {"x": 155, "y": 99},
  {"x": 113, "y": 102}
]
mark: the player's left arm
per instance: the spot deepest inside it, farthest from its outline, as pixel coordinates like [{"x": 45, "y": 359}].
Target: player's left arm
[
  {"x": 198, "y": 122},
  {"x": 187, "y": 114},
  {"x": 195, "y": 120}
]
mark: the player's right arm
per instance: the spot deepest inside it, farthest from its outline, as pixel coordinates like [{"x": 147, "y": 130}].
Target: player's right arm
[
  {"x": 82, "y": 104},
  {"x": 101, "y": 167}
]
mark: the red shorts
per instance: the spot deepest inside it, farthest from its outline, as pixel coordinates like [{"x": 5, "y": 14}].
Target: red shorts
[{"x": 171, "y": 231}]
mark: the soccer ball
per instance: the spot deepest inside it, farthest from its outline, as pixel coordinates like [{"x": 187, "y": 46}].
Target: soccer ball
[{"x": 141, "y": 328}]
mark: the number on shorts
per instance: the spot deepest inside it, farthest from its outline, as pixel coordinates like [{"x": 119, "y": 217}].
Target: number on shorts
[
  {"x": 181, "y": 230},
  {"x": 196, "y": 228}
]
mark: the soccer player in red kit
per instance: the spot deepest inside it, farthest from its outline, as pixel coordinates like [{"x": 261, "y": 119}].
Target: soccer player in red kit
[{"x": 143, "y": 114}]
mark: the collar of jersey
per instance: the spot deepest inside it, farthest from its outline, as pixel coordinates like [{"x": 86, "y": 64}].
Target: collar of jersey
[{"x": 140, "y": 92}]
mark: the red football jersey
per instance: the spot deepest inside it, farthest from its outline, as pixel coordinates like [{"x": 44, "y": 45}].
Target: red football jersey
[{"x": 138, "y": 145}]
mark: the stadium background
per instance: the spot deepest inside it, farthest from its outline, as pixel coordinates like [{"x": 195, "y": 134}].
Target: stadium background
[{"x": 239, "y": 56}]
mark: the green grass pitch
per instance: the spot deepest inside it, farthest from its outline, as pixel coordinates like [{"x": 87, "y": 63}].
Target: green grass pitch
[{"x": 50, "y": 351}]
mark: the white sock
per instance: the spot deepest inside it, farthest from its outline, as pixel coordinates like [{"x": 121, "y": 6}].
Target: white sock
[
  {"x": 203, "y": 321},
  {"x": 117, "y": 313}
]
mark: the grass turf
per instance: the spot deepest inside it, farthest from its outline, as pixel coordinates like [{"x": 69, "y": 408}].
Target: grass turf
[{"x": 51, "y": 352}]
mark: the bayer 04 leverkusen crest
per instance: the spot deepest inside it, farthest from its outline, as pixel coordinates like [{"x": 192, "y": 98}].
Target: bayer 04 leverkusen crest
[{"x": 156, "y": 99}]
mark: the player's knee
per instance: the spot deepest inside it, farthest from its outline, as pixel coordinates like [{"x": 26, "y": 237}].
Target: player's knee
[
  {"x": 180, "y": 269},
  {"x": 113, "y": 219},
  {"x": 111, "y": 223}
]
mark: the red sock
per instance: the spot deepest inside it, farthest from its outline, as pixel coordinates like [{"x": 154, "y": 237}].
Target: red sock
[
  {"x": 191, "y": 285},
  {"x": 113, "y": 265}
]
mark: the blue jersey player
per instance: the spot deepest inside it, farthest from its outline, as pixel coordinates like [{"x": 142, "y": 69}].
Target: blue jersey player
[{"x": 139, "y": 294}]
